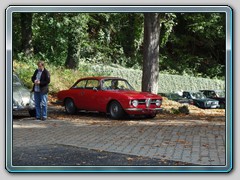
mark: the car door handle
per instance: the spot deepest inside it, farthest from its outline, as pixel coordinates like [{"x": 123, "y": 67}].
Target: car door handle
[{"x": 82, "y": 93}]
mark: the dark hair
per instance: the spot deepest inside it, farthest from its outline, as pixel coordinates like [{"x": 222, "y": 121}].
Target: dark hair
[{"x": 40, "y": 62}]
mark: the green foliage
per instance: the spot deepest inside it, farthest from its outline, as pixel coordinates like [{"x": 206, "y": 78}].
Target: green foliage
[
  {"x": 25, "y": 72},
  {"x": 62, "y": 78},
  {"x": 190, "y": 43},
  {"x": 166, "y": 83},
  {"x": 16, "y": 34},
  {"x": 196, "y": 45},
  {"x": 168, "y": 21}
]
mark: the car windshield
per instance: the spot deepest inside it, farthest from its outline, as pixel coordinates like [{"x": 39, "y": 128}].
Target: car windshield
[
  {"x": 116, "y": 84},
  {"x": 198, "y": 95},
  {"x": 220, "y": 94},
  {"x": 175, "y": 96},
  {"x": 16, "y": 80}
]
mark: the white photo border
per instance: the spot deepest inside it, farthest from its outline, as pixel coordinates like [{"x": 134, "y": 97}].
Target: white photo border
[{"x": 114, "y": 9}]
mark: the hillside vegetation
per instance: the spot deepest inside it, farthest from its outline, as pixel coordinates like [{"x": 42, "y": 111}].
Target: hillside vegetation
[{"x": 62, "y": 78}]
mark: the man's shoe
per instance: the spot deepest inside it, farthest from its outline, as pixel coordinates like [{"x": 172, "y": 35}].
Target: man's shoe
[
  {"x": 44, "y": 119},
  {"x": 38, "y": 119}
]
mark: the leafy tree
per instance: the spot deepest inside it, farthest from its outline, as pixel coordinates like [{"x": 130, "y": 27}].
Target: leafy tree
[
  {"x": 26, "y": 34},
  {"x": 130, "y": 36},
  {"x": 50, "y": 39},
  {"x": 77, "y": 28},
  {"x": 17, "y": 36},
  {"x": 189, "y": 43},
  {"x": 196, "y": 46},
  {"x": 60, "y": 37}
]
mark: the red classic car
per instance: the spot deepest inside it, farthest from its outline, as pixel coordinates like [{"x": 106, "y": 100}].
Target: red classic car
[{"x": 111, "y": 95}]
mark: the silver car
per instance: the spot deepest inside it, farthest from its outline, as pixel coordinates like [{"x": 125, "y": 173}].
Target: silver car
[{"x": 23, "y": 99}]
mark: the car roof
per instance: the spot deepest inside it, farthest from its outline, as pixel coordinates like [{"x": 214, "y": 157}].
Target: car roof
[
  {"x": 217, "y": 90},
  {"x": 99, "y": 78},
  {"x": 191, "y": 91}
]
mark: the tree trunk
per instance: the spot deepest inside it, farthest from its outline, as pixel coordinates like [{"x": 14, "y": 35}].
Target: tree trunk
[
  {"x": 26, "y": 26},
  {"x": 72, "y": 60},
  {"x": 73, "y": 42},
  {"x": 151, "y": 52}
]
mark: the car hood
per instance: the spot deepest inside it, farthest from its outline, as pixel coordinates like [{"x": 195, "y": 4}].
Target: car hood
[
  {"x": 20, "y": 93},
  {"x": 137, "y": 95},
  {"x": 205, "y": 99},
  {"x": 220, "y": 98}
]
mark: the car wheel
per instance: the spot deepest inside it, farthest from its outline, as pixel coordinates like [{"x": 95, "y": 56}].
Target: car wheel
[
  {"x": 32, "y": 112},
  {"x": 70, "y": 106},
  {"x": 116, "y": 111}
]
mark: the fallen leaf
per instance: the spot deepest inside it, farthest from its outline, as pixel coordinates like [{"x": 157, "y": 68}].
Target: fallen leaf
[
  {"x": 129, "y": 159},
  {"x": 205, "y": 145}
]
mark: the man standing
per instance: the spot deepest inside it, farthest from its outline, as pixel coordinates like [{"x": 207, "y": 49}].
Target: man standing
[{"x": 41, "y": 79}]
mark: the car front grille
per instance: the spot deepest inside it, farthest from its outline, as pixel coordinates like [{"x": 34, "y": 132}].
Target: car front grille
[
  {"x": 214, "y": 103},
  {"x": 147, "y": 102}
]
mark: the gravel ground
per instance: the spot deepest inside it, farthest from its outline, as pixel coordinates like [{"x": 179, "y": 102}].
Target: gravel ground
[{"x": 62, "y": 155}]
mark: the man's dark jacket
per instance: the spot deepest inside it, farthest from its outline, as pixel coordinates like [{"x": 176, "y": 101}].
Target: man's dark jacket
[{"x": 44, "y": 80}]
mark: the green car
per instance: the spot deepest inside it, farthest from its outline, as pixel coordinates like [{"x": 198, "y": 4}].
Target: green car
[
  {"x": 176, "y": 97},
  {"x": 200, "y": 100}
]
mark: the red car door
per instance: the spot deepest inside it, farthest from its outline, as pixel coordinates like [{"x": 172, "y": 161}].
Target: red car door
[
  {"x": 90, "y": 96},
  {"x": 77, "y": 92}
]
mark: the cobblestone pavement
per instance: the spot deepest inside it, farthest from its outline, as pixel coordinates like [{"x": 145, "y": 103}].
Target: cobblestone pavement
[{"x": 194, "y": 140}]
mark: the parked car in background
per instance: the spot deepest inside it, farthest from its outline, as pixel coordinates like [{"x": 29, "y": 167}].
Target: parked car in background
[
  {"x": 176, "y": 97},
  {"x": 216, "y": 94},
  {"x": 111, "y": 95},
  {"x": 23, "y": 99},
  {"x": 200, "y": 100}
]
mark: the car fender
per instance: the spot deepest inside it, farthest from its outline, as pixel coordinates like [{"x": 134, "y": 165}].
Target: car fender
[{"x": 122, "y": 102}]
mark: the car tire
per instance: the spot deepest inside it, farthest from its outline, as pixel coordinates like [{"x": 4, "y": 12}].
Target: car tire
[
  {"x": 116, "y": 111},
  {"x": 32, "y": 112},
  {"x": 70, "y": 107}
]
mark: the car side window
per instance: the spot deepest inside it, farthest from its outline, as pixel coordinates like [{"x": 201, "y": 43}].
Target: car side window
[
  {"x": 81, "y": 84},
  {"x": 106, "y": 84},
  {"x": 92, "y": 83},
  {"x": 122, "y": 85},
  {"x": 212, "y": 94},
  {"x": 207, "y": 93},
  {"x": 184, "y": 95}
]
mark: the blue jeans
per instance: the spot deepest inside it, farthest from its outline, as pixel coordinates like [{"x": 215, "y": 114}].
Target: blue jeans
[{"x": 41, "y": 104}]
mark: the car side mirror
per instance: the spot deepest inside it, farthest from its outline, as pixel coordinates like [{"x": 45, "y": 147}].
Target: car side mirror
[{"x": 95, "y": 89}]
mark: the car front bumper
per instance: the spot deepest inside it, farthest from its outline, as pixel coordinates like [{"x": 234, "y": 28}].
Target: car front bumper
[
  {"x": 143, "y": 110},
  {"x": 214, "y": 106},
  {"x": 20, "y": 107}
]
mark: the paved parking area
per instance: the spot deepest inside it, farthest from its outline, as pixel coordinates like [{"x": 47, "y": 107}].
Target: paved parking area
[{"x": 198, "y": 141}]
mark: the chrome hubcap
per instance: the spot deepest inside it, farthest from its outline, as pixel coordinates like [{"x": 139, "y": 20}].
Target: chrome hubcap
[
  {"x": 69, "y": 106},
  {"x": 114, "y": 109}
]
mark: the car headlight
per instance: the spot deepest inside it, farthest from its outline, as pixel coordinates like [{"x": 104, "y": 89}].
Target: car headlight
[
  {"x": 135, "y": 103},
  {"x": 158, "y": 102},
  {"x": 25, "y": 101},
  {"x": 208, "y": 102}
]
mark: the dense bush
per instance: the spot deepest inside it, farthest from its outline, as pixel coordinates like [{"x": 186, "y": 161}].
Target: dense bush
[
  {"x": 167, "y": 82},
  {"x": 62, "y": 78}
]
